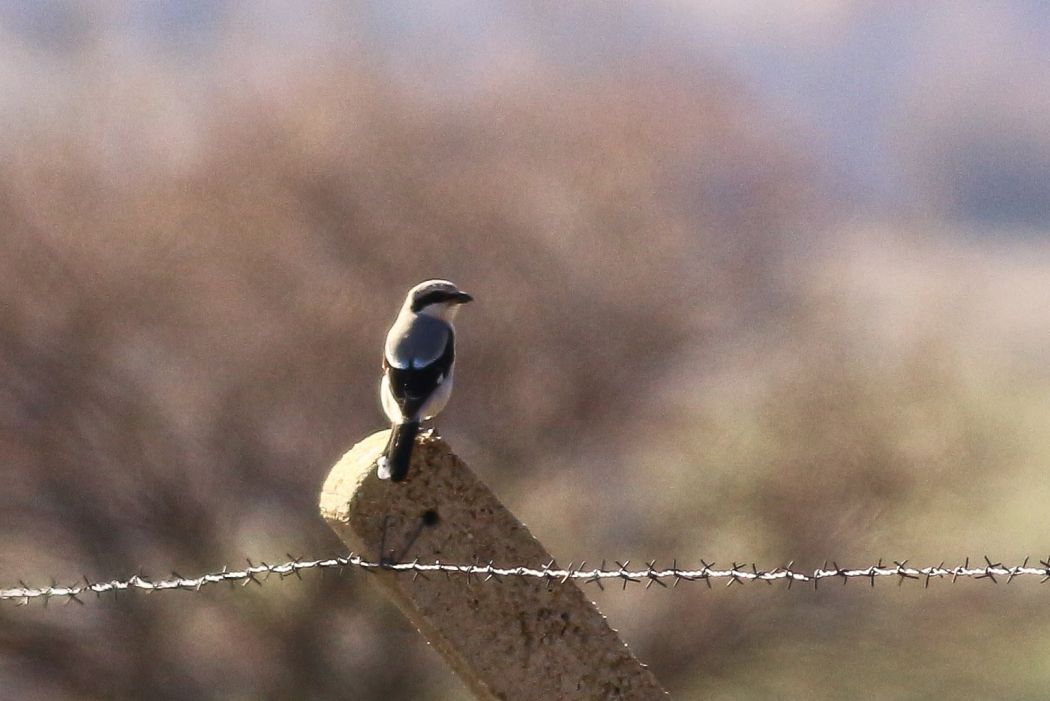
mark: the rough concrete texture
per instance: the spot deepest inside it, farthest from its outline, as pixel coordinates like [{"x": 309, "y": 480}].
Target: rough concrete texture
[{"x": 517, "y": 639}]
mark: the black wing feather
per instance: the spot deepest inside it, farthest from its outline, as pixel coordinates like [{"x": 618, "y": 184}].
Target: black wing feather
[{"x": 412, "y": 386}]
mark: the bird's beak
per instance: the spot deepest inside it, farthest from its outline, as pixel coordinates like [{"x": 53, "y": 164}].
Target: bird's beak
[{"x": 463, "y": 298}]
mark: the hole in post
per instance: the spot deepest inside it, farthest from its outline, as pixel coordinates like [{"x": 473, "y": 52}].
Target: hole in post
[{"x": 430, "y": 518}]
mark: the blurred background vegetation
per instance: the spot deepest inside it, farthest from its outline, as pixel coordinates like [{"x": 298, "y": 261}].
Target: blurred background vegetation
[{"x": 756, "y": 282}]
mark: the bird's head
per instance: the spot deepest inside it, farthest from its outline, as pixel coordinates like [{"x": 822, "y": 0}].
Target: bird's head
[{"x": 437, "y": 298}]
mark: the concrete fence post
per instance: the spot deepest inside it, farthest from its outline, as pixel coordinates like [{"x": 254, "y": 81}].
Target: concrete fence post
[{"x": 518, "y": 639}]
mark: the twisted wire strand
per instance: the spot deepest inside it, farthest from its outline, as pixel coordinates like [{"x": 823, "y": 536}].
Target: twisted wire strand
[{"x": 550, "y": 572}]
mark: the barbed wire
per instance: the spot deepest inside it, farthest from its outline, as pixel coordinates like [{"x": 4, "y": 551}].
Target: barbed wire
[{"x": 550, "y": 572}]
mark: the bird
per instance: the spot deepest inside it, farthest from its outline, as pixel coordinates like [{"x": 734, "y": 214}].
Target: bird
[{"x": 418, "y": 361}]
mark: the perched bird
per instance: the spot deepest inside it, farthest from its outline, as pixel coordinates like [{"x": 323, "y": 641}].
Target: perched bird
[{"x": 417, "y": 368}]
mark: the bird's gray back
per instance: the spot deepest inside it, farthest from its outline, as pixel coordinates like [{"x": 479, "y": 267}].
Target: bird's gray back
[{"x": 416, "y": 340}]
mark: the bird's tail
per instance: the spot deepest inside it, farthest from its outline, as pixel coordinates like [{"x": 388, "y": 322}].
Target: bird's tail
[{"x": 398, "y": 454}]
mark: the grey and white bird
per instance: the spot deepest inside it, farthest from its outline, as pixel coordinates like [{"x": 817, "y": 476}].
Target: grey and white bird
[{"x": 418, "y": 362}]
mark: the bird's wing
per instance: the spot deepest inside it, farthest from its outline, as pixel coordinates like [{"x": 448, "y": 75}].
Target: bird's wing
[{"x": 418, "y": 358}]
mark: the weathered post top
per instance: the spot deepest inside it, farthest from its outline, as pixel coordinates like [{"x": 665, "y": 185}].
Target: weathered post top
[{"x": 519, "y": 639}]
